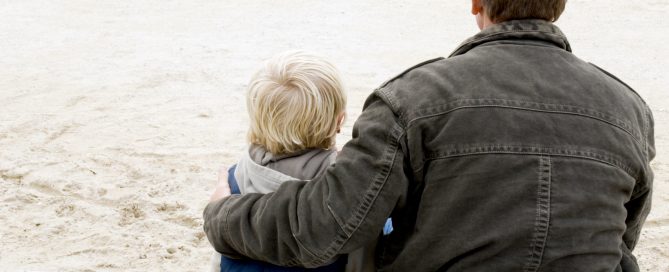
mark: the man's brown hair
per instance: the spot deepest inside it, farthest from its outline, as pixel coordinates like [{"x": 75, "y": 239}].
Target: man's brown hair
[{"x": 505, "y": 10}]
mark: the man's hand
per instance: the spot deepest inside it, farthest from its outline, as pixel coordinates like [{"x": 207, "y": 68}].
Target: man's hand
[{"x": 222, "y": 188}]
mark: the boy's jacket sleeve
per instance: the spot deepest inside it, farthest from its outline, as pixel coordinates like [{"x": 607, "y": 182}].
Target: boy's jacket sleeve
[{"x": 309, "y": 223}]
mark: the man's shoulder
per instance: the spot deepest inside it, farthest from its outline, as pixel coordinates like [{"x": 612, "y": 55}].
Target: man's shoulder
[
  {"x": 619, "y": 81},
  {"x": 410, "y": 69}
]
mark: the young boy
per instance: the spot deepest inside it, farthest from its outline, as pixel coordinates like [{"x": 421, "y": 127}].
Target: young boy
[{"x": 296, "y": 106}]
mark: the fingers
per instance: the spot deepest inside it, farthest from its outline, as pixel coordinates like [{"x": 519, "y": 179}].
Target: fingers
[
  {"x": 222, "y": 188},
  {"x": 223, "y": 174}
]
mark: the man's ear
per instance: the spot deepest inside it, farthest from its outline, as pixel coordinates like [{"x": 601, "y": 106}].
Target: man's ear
[{"x": 477, "y": 7}]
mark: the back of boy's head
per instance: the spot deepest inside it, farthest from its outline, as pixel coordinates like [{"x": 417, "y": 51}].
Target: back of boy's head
[{"x": 294, "y": 102}]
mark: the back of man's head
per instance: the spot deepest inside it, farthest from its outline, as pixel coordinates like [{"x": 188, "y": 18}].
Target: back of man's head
[{"x": 505, "y": 10}]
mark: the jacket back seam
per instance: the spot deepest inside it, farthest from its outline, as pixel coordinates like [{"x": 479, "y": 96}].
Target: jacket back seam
[
  {"x": 533, "y": 150},
  {"x": 542, "y": 217},
  {"x": 611, "y": 121}
]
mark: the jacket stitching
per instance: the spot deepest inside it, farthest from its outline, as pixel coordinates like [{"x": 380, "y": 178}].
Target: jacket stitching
[
  {"x": 638, "y": 190},
  {"x": 646, "y": 132},
  {"x": 542, "y": 218},
  {"x": 300, "y": 244},
  {"x": 293, "y": 262},
  {"x": 227, "y": 229},
  {"x": 549, "y": 108},
  {"x": 384, "y": 94},
  {"x": 378, "y": 185},
  {"x": 532, "y": 150},
  {"x": 519, "y": 104},
  {"x": 336, "y": 218},
  {"x": 370, "y": 197},
  {"x": 388, "y": 98},
  {"x": 542, "y": 44}
]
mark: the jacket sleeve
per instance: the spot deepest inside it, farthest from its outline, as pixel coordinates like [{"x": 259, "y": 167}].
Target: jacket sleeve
[
  {"x": 639, "y": 205},
  {"x": 309, "y": 223}
]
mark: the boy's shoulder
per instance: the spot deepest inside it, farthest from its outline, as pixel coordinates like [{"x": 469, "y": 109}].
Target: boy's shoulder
[{"x": 302, "y": 165}]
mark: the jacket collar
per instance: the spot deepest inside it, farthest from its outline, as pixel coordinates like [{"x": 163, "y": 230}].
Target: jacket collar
[{"x": 538, "y": 30}]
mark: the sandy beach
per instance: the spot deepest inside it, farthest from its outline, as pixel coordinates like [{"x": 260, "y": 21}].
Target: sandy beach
[{"x": 115, "y": 115}]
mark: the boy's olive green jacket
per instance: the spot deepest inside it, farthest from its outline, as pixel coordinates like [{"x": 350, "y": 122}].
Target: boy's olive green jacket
[{"x": 510, "y": 155}]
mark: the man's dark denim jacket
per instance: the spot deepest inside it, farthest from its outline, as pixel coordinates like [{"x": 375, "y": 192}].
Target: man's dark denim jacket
[{"x": 510, "y": 155}]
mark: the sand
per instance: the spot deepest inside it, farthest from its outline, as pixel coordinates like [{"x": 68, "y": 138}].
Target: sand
[{"x": 115, "y": 115}]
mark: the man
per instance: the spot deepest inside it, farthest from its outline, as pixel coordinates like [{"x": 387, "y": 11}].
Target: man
[{"x": 510, "y": 155}]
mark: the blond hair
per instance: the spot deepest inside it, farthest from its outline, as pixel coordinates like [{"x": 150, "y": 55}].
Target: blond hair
[{"x": 294, "y": 103}]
